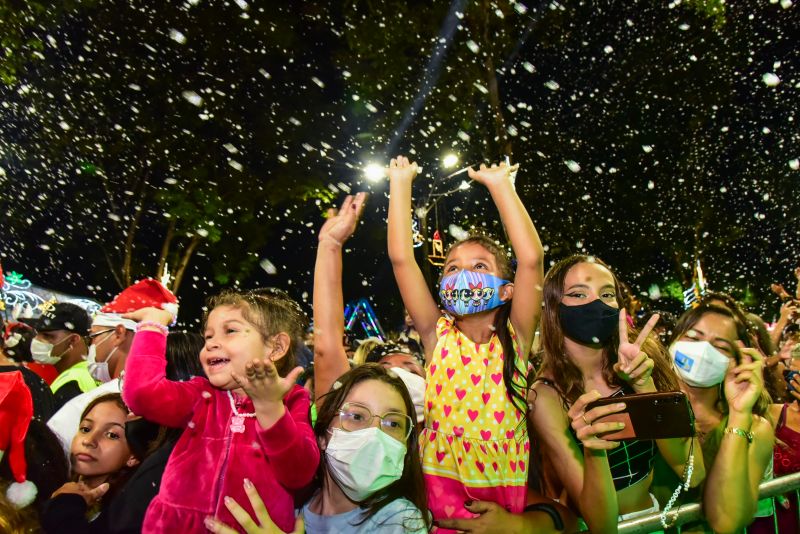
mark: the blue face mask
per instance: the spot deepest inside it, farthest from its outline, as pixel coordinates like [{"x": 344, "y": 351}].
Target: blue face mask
[{"x": 467, "y": 292}]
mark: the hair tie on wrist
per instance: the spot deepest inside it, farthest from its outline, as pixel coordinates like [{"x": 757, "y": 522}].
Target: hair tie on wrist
[
  {"x": 160, "y": 327},
  {"x": 740, "y": 432},
  {"x": 332, "y": 240}
]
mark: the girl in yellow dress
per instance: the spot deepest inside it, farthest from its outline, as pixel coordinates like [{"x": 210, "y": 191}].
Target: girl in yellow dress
[{"x": 474, "y": 445}]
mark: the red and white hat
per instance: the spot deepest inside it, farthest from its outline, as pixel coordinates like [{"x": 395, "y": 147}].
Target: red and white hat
[
  {"x": 142, "y": 294},
  {"x": 16, "y": 412}
]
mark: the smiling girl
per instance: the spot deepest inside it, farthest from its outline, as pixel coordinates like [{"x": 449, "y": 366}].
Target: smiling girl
[
  {"x": 101, "y": 463},
  {"x": 246, "y": 424}
]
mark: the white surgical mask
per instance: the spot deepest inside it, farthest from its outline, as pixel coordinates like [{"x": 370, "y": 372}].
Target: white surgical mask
[
  {"x": 364, "y": 461},
  {"x": 99, "y": 370},
  {"x": 41, "y": 351},
  {"x": 698, "y": 363}
]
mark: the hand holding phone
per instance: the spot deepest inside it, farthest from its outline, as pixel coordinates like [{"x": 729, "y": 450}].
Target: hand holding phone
[{"x": 660, "y": 415}]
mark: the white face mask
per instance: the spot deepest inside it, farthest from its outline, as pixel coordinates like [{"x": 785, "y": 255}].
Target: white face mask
[
  {"x": 99, "y": 370},
  {"x": 41, "y": 351},
  {"x": 364, "y": 461},
  {"x": 698, "y": 363}
]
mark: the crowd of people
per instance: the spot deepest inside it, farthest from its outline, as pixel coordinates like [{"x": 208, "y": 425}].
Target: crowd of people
[{"x": 489, "y": 413}]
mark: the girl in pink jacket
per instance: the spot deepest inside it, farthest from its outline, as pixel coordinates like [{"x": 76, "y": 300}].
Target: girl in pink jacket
[{"x": 247, "y": 424}]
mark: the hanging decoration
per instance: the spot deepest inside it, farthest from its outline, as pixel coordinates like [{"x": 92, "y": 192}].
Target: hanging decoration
[
  {"x": 693, "y": 294},
  {"x": 20, "y": 298},
  {"x": 437, "y": 257},
  {"x": 416, "y": 235}
]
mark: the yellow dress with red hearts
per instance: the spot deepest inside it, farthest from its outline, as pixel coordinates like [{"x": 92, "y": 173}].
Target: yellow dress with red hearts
[{"x": 475, "y": 444}]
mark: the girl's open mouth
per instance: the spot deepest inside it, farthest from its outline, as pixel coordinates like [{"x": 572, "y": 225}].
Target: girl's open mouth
[{"x": 216, "y": 363}]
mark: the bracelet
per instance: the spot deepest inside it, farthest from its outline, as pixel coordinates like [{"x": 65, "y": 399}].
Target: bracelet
[
  {"x": 332, "y": 240},
  {"x": 739, "y": 432},
  {"x": 550, "y": 510},
  {"x": 160, "y": 327}
]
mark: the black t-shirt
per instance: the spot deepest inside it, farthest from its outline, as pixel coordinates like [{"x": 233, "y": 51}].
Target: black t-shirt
[{"x": 66, "y": 392}]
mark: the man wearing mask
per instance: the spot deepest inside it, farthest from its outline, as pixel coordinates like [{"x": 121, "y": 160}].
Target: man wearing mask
[
  {"x": 111, "y": 338},
  {"x": 59, "y": 341}
]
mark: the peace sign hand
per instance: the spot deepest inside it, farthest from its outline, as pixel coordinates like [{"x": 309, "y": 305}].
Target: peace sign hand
[{"x": 634, "y": 365}]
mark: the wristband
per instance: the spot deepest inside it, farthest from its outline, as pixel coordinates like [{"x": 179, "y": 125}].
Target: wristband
[
  {"x": 739, "y": 432},
  {"x": 550, "y": 510},
  {"x": 161, "y": 328}
]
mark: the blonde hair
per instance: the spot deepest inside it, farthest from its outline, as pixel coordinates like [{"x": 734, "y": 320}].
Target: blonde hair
[{"x": 360, "y": 356}]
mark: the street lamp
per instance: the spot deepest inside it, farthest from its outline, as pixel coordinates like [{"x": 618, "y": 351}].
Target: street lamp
[
  {"x": 450, "y": 160},
  {"x": 374, "y": 172}
]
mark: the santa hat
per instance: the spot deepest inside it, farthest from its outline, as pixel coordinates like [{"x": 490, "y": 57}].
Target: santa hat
[
  {"x": 16, "y": 412},
  {"x": 142, "y": 294}
]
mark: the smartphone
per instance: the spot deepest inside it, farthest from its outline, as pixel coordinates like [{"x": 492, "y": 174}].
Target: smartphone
[{"x": 660, "y": 415}]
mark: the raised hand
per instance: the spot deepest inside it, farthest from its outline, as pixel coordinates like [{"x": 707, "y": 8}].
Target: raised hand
[
  {"x": 584, "y": 423},
  {"x": 634, "y": 365},
  {"x": 779, "y": 290},
  {"x": 788, "y": 310},
  {"x": 341, "y": 224},
  {"x": 400, "y": 168},
  {"x": 263, "y": 384},
  {"x": 745, "y": 382},
  {"x": 489, "y": 176}
]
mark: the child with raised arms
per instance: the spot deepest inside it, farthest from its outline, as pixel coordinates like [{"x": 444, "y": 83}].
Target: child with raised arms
[
  {"x": 474, "y": 445},
  {"x": 247, "y": 424}
]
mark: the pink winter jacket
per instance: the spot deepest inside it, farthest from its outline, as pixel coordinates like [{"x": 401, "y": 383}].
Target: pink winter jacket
[{"x": 210, "y": 462}]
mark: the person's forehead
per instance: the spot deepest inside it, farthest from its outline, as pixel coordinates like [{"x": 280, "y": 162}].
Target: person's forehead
[
  {"x": 589, "y": 273},
  {"x": 376, "y": 395}
]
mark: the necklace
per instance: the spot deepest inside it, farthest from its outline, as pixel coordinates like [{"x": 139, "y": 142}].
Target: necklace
[{"x": 237, "y": 419}]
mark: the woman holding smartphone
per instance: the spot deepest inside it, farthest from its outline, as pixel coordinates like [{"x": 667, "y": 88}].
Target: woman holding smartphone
[
  {"x": 723, "y": 380},
  {"x": 589, "y": 351}
]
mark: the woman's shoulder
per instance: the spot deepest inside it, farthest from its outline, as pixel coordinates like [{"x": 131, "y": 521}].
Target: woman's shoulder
[{"x": 401, "y": 513}]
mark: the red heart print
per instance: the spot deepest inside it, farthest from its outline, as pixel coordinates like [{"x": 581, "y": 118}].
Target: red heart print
[
  {"x": 491, "y": 346},
  {"x": 447, "y": 409},
  {"x": 450, "y": 440},
  {"x": 495, "y": 447},
  {"x": 458, "y": 342},
  {"x": 486, "y": 362},
  {"x": 522, "y": 465},
  {"x": 497, "y": 378},
  {"x": 465, "y": 360},
  {"x": 458, "y": 431},
  {"x": 510, "y": 434},
  {"x": 460, "y": 393},
  {"x": 433, "y": 369},
  {"x": 486, "y": 397},
  {"x": 438, "y": 389},
  {"x": 450, "y": 372},
  {"x": 432, "y": 436},
  {"x": 440, "y": 456},
  {"x": 475, "y": 379},
  {"x": 480, "y": 465},
  {"x": 430, "y": 405},
  {"x": 472, "y": 414},
  {"x": 496, "y": 467},
  {"x": 498, "y": 416},
  {"x": 505, "y": 447},
  {"x": 460, "y": 460},
  {"x": 502, "y": 356},
  {"x": 513, "y": 465},
  {"x": 467, "y": 446},
  {"x": 477, "y": 347},
  {"x": 482, "y": 448},
  {"x": 445, "y": 352},
  {"x": 486, "y": 434},
  {"x": 435, "y": 425},
  {"x": 527, "y": 446}
]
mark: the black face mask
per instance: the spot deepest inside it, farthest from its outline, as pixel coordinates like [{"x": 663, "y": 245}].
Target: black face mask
[
  {"x": 590, "y": 324},
  {"x": 140, "y": 433}
]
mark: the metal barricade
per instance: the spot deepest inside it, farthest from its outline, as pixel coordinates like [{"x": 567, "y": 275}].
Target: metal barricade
[{"x": 693, "y": 511}]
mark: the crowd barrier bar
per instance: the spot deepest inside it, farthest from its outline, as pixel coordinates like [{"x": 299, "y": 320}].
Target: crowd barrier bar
[{"x": 693, "y": 511}]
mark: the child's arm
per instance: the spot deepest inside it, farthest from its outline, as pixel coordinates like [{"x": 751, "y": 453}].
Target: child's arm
[
  {"x": 290, "y": 444},
  {"x": 330, "y": 360},
  {"x": 526, "y": 305},
  {"x": 417, "y": 298},
  {"x": 145, "y": 388}
]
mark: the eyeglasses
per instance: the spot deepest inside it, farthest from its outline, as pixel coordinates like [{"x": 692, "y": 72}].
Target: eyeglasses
[
  {"x": 100, "y": 333},
  {"x": 354, "y": 416}
]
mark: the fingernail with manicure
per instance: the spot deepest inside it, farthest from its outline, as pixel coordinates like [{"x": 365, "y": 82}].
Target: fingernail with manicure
[{"x": 247, "y": 483}]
